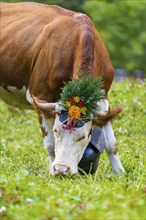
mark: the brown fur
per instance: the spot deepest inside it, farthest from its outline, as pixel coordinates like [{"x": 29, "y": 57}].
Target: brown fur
[{"x": 43, "y": 46}]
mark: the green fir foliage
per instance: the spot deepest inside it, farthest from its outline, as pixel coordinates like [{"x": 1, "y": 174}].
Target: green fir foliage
[{"x": 88, "y": 89}]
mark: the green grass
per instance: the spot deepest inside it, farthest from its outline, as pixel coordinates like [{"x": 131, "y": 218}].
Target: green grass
[{"x": 28, "y": 192}]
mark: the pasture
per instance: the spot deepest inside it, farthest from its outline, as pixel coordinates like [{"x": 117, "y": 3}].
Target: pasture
[{"x": 28, "y": 192}]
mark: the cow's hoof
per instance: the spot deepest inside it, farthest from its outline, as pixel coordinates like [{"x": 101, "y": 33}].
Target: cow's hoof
[{"x": 90, "y": 160}]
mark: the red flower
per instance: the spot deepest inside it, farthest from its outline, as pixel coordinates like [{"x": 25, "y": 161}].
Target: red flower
[
  {"x": 81, "y": 103},
  {"x": 72, "y": 101}
]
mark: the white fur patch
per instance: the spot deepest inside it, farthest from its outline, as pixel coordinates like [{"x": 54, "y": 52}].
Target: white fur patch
[
  {"x": 47, "y": 125},
  {"x": 59, "y": 108},
  {"x": 104, "y": 105},
  {"x": 79, "y": 15},
  {"x": 107, "y": 130},
  {"x": 49, "y": 142},
  {"x": 116, "y": 163},
  {"x": 110, "y": 142},
  {"x": 28, "y": 96},
  {"x": 109, "y": 136}
]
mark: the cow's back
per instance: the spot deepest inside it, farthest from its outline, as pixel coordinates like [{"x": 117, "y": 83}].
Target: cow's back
[
  {"x": 42, "y": 46},
  {"x": 21, "y": 26}
]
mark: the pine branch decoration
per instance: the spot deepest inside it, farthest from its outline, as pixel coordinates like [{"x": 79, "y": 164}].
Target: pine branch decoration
[{"x": 80, "y": 97}]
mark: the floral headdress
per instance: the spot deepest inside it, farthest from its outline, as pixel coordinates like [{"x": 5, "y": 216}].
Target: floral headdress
[{"x": 79, "y": 99}]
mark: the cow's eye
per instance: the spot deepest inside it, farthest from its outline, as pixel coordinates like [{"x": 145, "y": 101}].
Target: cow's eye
[
  {"x": 81, "y": 138},
  {"x": 90, "y": 132},
  {"x": 55, "y": 131}
]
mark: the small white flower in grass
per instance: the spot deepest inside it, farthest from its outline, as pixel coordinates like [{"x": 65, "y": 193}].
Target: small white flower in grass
[
  {"x": 2, "y": 209},
  {"x": 119, "y": 196},
  {"x": 31, "y": 184},
  {"x": 29, "y": 200},
  {"x": 25, "y": 172}
]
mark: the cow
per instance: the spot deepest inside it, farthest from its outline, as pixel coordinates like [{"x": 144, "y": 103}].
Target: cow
[{"x": 41, "y": 47}]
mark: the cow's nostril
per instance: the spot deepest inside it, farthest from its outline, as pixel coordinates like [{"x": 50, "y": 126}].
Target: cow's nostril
[{"x": 61, "y": 169}]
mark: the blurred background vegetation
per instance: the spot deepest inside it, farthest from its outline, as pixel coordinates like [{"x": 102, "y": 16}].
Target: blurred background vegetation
[{"x": 121, "y": 24}]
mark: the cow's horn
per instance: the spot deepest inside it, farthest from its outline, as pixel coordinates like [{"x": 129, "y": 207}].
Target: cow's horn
[{"x": 43, "y": 105}]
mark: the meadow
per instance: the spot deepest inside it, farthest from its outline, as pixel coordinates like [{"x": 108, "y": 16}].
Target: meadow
[{"x": 28, "y": 192}]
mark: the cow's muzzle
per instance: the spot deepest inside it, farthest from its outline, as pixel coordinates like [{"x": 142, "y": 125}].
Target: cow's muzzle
[{"x": 61, "y": 170}]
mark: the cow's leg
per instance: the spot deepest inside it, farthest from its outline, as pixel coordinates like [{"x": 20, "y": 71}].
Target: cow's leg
[
  {"x": 110, "y": 143},
  {"x": 111, "y": 148},
  {"x": 48, "y": 137}
]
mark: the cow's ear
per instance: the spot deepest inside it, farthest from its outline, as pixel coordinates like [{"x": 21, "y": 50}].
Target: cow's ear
[
  {"x": 99, "y": 122},
  {"x": 43, "y": 105},
  {"x": 102, "y": 120}
]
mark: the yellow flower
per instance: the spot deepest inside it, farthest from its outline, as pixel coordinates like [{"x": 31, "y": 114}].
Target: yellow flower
[
  {"x": 74, "y": 111},
  {"x": 67, "y": 104},
  {"x": 83, "y": 110},
  {"x": 77, "y": 99}
]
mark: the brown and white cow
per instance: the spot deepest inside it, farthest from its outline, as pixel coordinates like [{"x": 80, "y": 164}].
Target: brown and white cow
[{"x": 42, "y": 46}]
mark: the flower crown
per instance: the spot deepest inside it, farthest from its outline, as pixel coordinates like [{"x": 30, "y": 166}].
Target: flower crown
[{"x": 79, "y": 99}]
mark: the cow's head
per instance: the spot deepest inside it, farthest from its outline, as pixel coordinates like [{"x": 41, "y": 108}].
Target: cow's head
[
  {"x": 76, "y": 113},
  {"x": 72, "y": 137}
]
